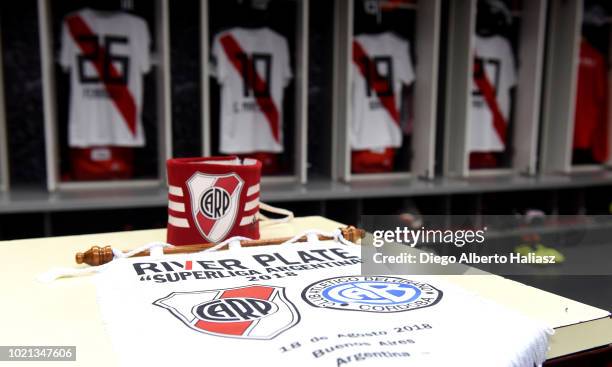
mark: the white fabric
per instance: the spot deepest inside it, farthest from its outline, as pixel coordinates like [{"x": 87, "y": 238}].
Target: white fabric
[
  {"x": 155, "y": 248},
  {"x": 498, "y": 61},
  {"x": 244, "y": 127},
  {"x": 143, "y": 312},
  {"x": 94, "y": 117},
  {"x": 372, "y": 126}
]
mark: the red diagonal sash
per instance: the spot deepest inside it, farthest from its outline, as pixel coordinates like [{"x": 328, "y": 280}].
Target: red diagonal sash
[
  {"x": 119, "y": 94},
  {"x": 488, "y": 92},
  {"x": 379, "y": 85},
  {"x": 266, "y": 104}
]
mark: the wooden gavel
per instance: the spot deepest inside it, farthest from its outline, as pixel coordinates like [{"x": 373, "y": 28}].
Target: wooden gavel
[{"x": 97, "y": 255}]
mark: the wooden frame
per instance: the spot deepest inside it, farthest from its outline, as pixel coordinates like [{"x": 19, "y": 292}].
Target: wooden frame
[
  {"x": 162, "y": 62},
  {"x": 425, "y": 93},
  {"x": 561, "y": 79},
  {"x": 301, "y": 96},
  {"x": 562, "y": 83},
  {"x": 458, "y": 93},
  {"x": 4, "y": 159}
]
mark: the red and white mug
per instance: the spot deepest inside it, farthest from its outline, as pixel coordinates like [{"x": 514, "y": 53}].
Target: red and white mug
[{"x": 211, "y": 199}]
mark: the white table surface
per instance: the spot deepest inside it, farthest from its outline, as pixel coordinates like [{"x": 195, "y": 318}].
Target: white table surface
[{"x": 65, "y": 312}]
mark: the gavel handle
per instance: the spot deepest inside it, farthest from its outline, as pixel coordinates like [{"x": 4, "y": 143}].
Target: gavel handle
[{"x": 97, "y": 255}]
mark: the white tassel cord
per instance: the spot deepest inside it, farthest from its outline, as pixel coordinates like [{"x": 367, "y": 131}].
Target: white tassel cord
[
  {"x": 264, "y": 220},
  {"x": 336, "y": 235},
  {"x": 156, "y": 248},
  {"x": 57, "y": 273},
  {"x": 229, "y": 242},
  {"x": 148, "y": 247}
]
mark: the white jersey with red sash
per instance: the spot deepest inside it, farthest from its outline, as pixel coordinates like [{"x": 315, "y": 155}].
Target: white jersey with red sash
[
  {"x": 494, "y": 76},
  {"x": 106, "y": 53},
  {"x": 253, "y": 68},
  {"x": 381, "y": 65}
]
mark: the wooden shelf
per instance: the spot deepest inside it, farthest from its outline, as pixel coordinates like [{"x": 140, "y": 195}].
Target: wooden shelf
[{"x": 34, "y": 199}]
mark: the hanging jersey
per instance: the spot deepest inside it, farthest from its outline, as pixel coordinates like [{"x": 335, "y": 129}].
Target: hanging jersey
[
  {"x": 591, "y": 121},
  {"x": 494, "y": 76},
  {"x": 253, "y": 68},
  {"x": 381, "y": 65},
  {"x": 106, "y": 53}
]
